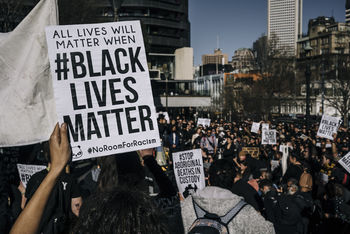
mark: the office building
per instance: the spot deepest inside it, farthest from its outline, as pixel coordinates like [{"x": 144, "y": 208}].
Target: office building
[
  {"x": 243, "y": 60},
  {"x": 285, "y": 23},
  {"x": 347, "y": 11},
  {"x": 217, "y": 58}
]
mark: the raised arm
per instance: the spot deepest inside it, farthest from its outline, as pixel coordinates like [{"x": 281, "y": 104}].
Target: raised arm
[{"x": 29, "y": 220}]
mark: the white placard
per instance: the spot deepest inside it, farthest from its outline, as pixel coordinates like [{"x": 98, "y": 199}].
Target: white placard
[
  {"x": 303, "y": 137},
  {"x": 203, "y": 122},
  {"x": 189, "y": 172},
  {"x": 265, "y": 127},
  {"x": 324, "y": 178},
  {"x": 328, "y": 126},
  {"x": 26, "y": 171},
  {"x": 255, "y": 127},
  {"x": 102, "y": 87},
  {"x": 345, "y": 162},
  {"x": 274, "y": 164},
  {"x": 269, "y": 137}
]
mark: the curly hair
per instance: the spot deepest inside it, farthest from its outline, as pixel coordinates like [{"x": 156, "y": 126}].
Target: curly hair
[{"x": 121, "y": 210}]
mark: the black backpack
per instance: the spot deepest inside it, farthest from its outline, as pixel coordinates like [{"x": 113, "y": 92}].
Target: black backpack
[
  {"x": 209, "y": 223},
  {"x": 58, "y": 222}
]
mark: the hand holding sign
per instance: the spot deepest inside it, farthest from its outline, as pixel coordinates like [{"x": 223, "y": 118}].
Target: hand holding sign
[
  {"x": 59, "y": 148},
  {"x": 145, "y": 152},
  {"x": 102, "y": 87},
  {"x": 328, "y": 126}
]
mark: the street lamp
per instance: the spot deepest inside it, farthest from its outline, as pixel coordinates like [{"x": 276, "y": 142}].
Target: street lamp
[
  {"x": 307, "y": 49},
  {"x": 116, "y": 4},
  {"x": 166, "y": 74}
]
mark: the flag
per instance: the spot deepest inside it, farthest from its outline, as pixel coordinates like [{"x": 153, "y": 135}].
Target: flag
[{"x": 27, "y": 105}]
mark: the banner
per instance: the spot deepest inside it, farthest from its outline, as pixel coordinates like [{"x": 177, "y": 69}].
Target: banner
[
  {"x": 345, "y": 162},
  {"x": 102, "y": 87},
  {"x": 269, "y": 137},
  {"x": 27, "y": 106},
  {"x": 328, "y": 126},
  {"x": 189, "y": 172},
  {"x": 203, "y": 122},
  {"x": 253, "y": 151},
  {"x": 255, "y": 127},
  {"x": 26, "y": 171}
]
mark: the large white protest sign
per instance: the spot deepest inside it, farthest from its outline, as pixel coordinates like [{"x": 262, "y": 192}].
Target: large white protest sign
[
  {"x": 328, "y": 126},
  {"x": 268, "y": 137},
  {"x": 189, "y": 172},
  {"x": 345, "y": 162},
  {"x": 102, "y": 87},
  {"x": 255, "y": 127},
  {"x": 203, "y": 122},
  {"x": 26, "y": 172}
]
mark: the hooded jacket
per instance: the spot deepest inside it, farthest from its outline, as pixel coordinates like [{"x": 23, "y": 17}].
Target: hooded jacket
[{"x": 220, "y": 201}]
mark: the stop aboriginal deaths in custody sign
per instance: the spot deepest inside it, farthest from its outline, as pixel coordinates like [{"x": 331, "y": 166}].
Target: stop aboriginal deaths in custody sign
[
  {"x": 102, "y": 87},
  {"x": 189, "y": 172}
]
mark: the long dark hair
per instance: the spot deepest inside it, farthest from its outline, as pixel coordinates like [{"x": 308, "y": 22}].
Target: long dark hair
[{"x": 121, "y": 210}]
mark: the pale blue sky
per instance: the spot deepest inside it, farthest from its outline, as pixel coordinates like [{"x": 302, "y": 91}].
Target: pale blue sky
[{"x": 238, "y": 23}]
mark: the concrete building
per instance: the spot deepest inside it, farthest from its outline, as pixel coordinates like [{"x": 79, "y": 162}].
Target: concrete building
[
  {"x": 184, "y": 63},
  {"x": 165, "y": 22},
  {"x": 325, "y": 36},
  {"x": 284, "y": 20},
  {"x": 347, "y": 11},
  {"x": 243, "y": 60},
  {"x": 217, "y": 58}
]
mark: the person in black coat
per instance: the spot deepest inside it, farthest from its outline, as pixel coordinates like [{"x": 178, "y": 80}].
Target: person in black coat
[
  {"x": 251, "y": 196},
  {"x": 294, "y": 169}
]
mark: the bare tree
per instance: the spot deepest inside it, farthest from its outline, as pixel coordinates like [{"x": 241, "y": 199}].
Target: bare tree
[
  {"x": 275, "y": 67},
  {"x": 340, "y": 100}
]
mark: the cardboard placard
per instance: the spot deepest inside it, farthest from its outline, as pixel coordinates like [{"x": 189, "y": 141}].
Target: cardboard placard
[
  {"x": 189, "y": 172},
  {"x": 269, "y": 137},
  {"x": 253, "y": 151},
  {"x": 345, "y": 162},
  {"x": 328, "y": 126},
  {"x": 26, "y": 171},
  {"x": 102, "y": 87},
  {"x": 255, "y": 127},
  {"x": 204, "y": 122}
]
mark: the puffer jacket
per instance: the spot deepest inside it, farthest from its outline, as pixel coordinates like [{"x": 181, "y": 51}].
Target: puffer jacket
[{"x": 219, "y": 201}]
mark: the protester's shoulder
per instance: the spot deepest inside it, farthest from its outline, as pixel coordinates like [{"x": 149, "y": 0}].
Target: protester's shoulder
[{"x": 250, "y": 221}]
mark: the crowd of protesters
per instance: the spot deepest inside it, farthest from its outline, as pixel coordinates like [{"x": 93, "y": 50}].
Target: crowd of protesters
[{"x": 294, "y": 186}]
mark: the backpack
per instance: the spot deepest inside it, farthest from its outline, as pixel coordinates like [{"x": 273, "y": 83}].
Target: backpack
[
  {"x": 58, "y": 222},
  {"x": 209, "y": 223}
]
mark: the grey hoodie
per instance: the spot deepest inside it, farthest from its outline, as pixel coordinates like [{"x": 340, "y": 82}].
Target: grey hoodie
[{"x": 219, "y": 201}]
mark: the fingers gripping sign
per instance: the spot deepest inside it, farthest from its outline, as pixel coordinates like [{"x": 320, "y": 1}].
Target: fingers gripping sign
[{"x": 59, "y": 147}]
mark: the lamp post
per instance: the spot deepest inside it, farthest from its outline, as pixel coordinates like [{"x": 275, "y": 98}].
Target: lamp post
[
  {"x": 307, "y": 49},
  {"x": 322, "y": 86},
  {"x": 116, "y": 5},
  {"x": 166, "y": 74}
]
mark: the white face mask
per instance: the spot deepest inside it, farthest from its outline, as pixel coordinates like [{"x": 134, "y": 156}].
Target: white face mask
[{"x": 328, "y": 145}]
